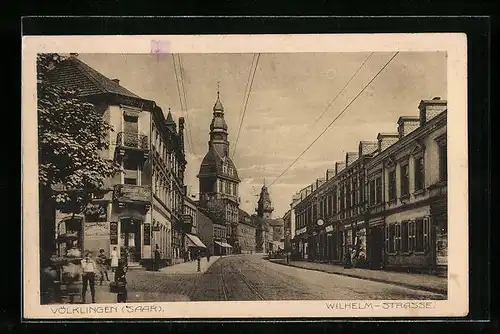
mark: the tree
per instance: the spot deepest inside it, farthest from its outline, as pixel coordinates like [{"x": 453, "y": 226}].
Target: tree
[{"x": 71, "y": 135}]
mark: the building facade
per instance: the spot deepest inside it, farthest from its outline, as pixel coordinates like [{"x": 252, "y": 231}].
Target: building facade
[
  {"x": 142, "y": 206},
  {"x": 287, "y": 221},
  {"x": 168, "y": 186},
  {"x": 384, "y": 206},
  {"x": 120, "y": 215},
  {"x": 246, "y": 234},
  {"x": 219, "y": 181}
]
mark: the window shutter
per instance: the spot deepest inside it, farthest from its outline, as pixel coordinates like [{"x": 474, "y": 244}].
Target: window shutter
[
  {"x": 411, "y": 233},
  {"x": 426, "y": 233},
  {"x": 387, "y": 249}
]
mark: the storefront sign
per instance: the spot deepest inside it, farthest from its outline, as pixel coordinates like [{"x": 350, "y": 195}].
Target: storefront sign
[
  {"x": 96, "y": 230},
  {"x": 113, "y": 233},
  {"x": 300, "y": 231},
  {"x": 147, "y": 234},
  {"x": 329, "y": 228}
]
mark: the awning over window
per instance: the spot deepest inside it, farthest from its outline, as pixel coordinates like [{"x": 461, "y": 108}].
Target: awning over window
[
  {"x": 223, "y": 244},
  {"x": 194, "y": 241}
]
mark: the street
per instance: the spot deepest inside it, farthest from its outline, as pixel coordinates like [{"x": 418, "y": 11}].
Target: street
[{"x": 250, "y": 277}]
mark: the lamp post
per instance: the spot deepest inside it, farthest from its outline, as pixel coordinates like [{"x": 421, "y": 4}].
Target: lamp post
[{"x": 320, "y": 223}]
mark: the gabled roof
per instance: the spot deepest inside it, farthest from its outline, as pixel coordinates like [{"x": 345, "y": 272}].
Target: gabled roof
[
  {"x": 74, "y": 73},
  {"x": 212, "y": 165}
]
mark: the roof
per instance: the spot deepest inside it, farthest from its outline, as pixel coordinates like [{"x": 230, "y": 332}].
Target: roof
[
  {"x": 212, "y": 165},
  {"x": 75, "y": 74},
  {"x": 218, "y": 104}
]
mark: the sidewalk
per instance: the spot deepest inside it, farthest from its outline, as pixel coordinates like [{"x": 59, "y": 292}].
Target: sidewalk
[
  {"x": 413, "y": 281},
  {"x": 189, "y": 267}
]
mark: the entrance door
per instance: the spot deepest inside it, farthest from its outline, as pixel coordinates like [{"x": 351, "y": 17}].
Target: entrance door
[
  {"x": 131, "y": 237},
  {"x": 377, "y": 244}
]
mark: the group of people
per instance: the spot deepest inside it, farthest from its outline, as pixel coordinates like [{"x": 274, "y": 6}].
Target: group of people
[{"x": 91, "y": 268}]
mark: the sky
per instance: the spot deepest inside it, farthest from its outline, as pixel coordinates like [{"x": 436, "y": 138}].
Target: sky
[{"x": 289, "y": 92}]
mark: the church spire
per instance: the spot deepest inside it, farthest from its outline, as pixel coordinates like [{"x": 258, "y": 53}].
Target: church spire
[{"x": 218, "y": 107}]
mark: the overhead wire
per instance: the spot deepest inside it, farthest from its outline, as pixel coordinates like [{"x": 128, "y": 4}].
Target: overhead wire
[
  {"x": 332, "y": 122},
  {"x": 246, "y": 104}
]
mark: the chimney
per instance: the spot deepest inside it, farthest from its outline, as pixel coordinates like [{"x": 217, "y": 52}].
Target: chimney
[
  {"x": 116, "y": 81},
  {"x": 386, "y": 139},
  {"x": 330, "y": 173},
  {"x": 339, "y": 166},
  {"x": 431, "y": 108},
  {"x": 407, "y": 124},
  {"x": 350, "y": 157},
  {"x": 320, "y": 181},
  {"x": 367, "y": 147}
]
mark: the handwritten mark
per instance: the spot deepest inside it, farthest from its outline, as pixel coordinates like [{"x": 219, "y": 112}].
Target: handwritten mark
[{"x": 160, "y": 46}]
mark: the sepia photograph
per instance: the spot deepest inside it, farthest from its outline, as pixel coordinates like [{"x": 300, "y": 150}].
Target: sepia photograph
[{"x": 168, "y": 177}]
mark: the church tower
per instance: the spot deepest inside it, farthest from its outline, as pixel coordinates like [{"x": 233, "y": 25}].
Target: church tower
[
  {"x": 264, "y": 206},
  {"x": 218, "y": 177}
]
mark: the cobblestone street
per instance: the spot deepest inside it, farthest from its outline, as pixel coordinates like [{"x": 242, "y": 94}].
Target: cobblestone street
[{"x": 250, "y": 277}]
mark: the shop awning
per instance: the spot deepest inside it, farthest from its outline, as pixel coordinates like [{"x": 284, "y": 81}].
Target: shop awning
[
  {"x": 195, "y": 241},
  {"x": 223, "y": 244}
]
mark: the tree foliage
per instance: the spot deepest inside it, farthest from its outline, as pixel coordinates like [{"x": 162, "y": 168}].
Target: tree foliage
[{"x": 71, "y": 133}]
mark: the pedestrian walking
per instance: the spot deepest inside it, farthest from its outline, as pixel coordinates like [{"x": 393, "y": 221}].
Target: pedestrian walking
[
  {"x": 156, "y": 265},
  {"x": 102, "y": 263},
  {"x": 198, "y": 258},
  {"x": 208, "y": 256},
  {"x": 120, "y": 283},
  {"x": 114, "y": 259},
  {"x": 88, "y": 276}
]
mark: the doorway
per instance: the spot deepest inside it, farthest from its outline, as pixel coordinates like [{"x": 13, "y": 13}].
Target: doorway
[
  {"x": 130, "y": 238},
  {"x": 377, "y": 247}
]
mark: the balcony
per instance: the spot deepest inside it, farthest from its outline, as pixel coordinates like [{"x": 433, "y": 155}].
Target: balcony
[
  {"x": 125, "y": 194},
  {"x": 132, "y": 141}
]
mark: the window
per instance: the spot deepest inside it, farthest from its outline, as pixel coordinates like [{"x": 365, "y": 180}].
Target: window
[
  {"x": 228, "y": 187},
  {"x": 378, "y": 190},
  {"x": 221, "y": 186},
  {"x": 419, "y": 235},
  {"x": 354, "y": 192},
  {"x": 315, "y": 213},
  {"x": 348, "y": 196},
  {"x": 372, "y": 192},
  {"x": 405, "y": 181},
  {"x": 341, "y": 198},
  {"x": 397, "y": 238},
  {"x": 392, "y": 185},
  {"x": 130, "y": 124},
  {"x": 130, "y": 172},
  {"x": 362, "y": 190},
  {"x": 404, "y": 236},
  {"x": 235, "y": 192},
  {"x": 390, "y": 234},
  {"x": 411, "y": 236},
  {"x": 443, "y": 162},
  {"x": 334, "y": 200},
  {"x": 426, "y": 236},
  {"x": 419, "y": 174}
]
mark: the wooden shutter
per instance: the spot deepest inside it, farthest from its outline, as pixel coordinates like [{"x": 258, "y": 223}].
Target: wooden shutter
[
  {"x": 426, "y": 228},
  {"x": 387, "y": 248}
]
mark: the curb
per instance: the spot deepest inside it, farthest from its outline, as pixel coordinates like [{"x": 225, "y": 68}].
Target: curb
[{"x": 380, "y": 280}]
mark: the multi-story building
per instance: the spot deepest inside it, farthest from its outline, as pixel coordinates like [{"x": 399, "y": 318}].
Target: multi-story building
[
  {"x": 413, "y": 171},
  {"x": 168, "y": 186},
  {"x": 246, "y": 234},
  {"x": 121, "y": 214},
  {"x": 142, "y": 206},
  {"x": 205, "y": 229},
  {"x": 385, "y": 205},
  {"x": 218, "y": 178},
  {"x": 192, "y": 243},
  {"x": 287, "y": 219}
]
